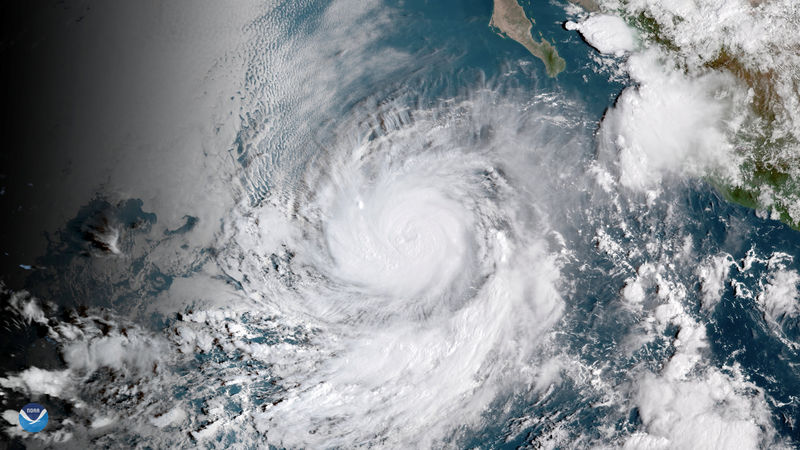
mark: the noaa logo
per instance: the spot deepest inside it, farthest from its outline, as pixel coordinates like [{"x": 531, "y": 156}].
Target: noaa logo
[{"x": 33, "y": 417}]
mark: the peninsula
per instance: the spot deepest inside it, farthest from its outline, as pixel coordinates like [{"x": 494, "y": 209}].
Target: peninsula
[{"x": 509, "y": 17}]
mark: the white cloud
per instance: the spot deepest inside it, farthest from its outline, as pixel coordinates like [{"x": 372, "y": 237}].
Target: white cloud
[
  {"x": 34, "y": 381},
  {"x": 608, "y": 34},
  {"x": 757, "y": 41},
  {"x": 713, "y": 273},
  {"x": 711, "y": 411},
  {"x": 670, "y": 123},
  {"x": 430, "y": 281},
  {"x": 11, "y": 416},
  {"x": 136, "y": 352},
  {"x": 690, "y": 405},
  {"x": 174, "y": 416},
  {"x": 26, "y": 306},
  {"x": 780, "y": 297}
]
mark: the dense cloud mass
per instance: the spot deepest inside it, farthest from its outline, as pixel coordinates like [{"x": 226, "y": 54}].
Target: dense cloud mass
[{"x": 337, "y": 224}]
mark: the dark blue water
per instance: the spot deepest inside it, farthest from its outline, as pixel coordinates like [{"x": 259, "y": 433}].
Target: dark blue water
[{"x": 456, "y": 52}]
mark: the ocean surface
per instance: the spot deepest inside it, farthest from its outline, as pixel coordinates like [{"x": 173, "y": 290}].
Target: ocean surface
[{"x": 412, "y": 239}]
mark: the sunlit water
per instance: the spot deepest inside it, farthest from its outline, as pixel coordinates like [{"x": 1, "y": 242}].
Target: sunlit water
[{"x": 424, "y": 250}]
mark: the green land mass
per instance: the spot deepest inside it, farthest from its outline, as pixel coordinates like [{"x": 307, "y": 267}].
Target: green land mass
[
  {"x": 589, "y": 5},
  {"x": 509, "y": 17},
  {"x": 766, "y": 168},
  {"x": 763, "y": 170},
  {"x": 763, "y": 167}
]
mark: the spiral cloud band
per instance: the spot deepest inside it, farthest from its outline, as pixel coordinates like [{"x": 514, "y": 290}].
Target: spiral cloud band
[{"x": 429, "y": 277}]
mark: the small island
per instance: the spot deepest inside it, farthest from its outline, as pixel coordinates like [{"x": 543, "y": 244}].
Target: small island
[{"x": 509, "y": 17}]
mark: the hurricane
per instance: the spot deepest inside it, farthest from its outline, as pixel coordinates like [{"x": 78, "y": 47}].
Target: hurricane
[
  {"x": 409, "y": 225},
  {"x": 424, "y": 256}
]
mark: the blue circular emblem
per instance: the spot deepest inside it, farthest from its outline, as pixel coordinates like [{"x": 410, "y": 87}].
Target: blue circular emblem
[{"x": 32, "y": 417}]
